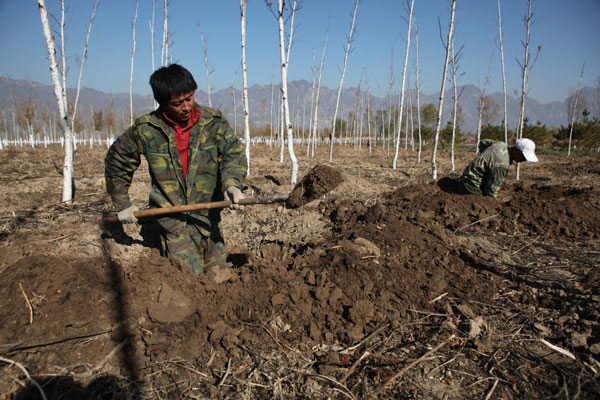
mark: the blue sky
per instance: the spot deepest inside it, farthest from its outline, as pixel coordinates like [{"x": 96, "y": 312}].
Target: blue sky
[{"x": 568, "y": 32}]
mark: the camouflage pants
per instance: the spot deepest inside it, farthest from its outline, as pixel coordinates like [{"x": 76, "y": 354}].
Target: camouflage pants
[
  {"x": 466, "y": 188},
  {"x": 195, "y": 249}
]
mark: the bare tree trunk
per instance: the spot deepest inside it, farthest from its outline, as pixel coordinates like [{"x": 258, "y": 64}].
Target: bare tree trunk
[
  {"x": 137, "y": 3},
  {"x": 63, "y": 66},
  {"x": 412, "y": 121},
  {"x": 369, "y": 115},
  {"x": 281, "y": 129},
  {"x": 410, "y": 15},
  {"x": 234, "y": 105},
  {"x": 304, "y": 117},
  {"x": 62, "y": 55},
  {"x": 245, "y": 84},
  {"x": 284, "y": 57},
  {"x": 271, "y": 117},
  {"x": 151, "y": 25},
  {"x": 418, "y": 89},
  {"x": 390, "y": 88},
  {"x": 83, "y": 58},
  {"x": 503, "y": 76},
  {"x": 164, "y": 52},
  {"x": 441, "y": 102},
  {"x": 67, "y": 194},
  {"x": 455, "y": 107},
  {"x": 337, "y": 103},
  {"x": 312, "y": 99},
  {"x": 205, "y": 52},
  {"x": 525, "y": 68},
  {"x": 360, "y": 124},
  {"x": 406, "y": 127},
  {"x": 575, "y": 109},
  {"x": 480, "y": 112},
  {"x": 315, "y": 128}
]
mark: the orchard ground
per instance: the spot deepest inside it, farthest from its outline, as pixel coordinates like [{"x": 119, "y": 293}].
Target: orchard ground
[{"x": 339, "y": 298}]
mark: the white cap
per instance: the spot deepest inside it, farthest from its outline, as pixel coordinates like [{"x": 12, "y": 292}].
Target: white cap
[{"x": 527, "y": 147}]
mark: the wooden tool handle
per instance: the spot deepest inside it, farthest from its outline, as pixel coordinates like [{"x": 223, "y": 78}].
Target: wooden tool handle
[{"x": 278, "y": 198}]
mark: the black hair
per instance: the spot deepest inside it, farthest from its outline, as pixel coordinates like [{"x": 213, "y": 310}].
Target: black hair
[{"x": 167, "y": 81}]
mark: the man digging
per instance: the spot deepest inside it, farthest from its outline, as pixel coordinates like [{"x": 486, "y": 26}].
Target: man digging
[
  {"x": 485, "y": 174},
  {"x": 193, "y": 155}
]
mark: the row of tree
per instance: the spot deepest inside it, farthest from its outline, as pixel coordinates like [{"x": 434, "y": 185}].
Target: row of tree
[
  {"x": 363, "y": 125},
  {"x": 405, "y": 122}
]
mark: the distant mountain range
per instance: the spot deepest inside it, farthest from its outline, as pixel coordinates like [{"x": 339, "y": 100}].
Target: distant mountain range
[{"x": 259, "y": 97}]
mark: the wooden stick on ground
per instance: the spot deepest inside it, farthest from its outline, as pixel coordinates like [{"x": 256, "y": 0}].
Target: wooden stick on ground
[
  {"x": 489, "y": 395},
  {"x": 28, "y": 304},
  {"x": 558, "y": 349},
  {"x": 222, "y": 381},
  {"x": 353, "y": 367},
  {"x": 476, "y": 222},
  {"x": 417, "y": 361}
]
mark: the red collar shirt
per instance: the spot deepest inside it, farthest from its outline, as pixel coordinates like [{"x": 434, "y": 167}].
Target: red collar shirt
[{"x": 182, "y": 136}]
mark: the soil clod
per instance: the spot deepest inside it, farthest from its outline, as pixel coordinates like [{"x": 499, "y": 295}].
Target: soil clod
[{"x": 317, "y": 182}]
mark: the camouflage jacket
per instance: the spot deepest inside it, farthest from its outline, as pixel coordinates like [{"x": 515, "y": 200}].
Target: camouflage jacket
[
  {"x": 485, "y": 174},
  {"x": 216, "y": 162}
]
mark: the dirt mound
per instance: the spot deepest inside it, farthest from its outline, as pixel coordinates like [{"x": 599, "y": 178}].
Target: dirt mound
[{"x": 317, "y": 182}]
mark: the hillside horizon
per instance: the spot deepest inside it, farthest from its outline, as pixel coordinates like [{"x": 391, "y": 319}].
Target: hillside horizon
[{"x": 552, "y": 114}]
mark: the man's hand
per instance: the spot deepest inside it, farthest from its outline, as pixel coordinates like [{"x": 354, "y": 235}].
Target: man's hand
[
  {"x": 234, "y": 195},
  {"x": 126, "y": 216}
]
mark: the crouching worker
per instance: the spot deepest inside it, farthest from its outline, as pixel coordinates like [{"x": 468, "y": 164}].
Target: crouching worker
[
  {"x": 193, "y": 156},
  {"x": 485, "y": 174}
]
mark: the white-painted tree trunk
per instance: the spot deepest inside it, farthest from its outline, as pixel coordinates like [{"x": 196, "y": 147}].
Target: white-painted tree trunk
[
  {"x": 524, "y": 66},
  {"x": 284, "y": 58},
  {"x": 503, "y": 75},
  {"x": 408, "y": 36},
  {"x": 164, "y": 52},
  {"x": 271, "y": 117},
  {"x": 526, "y": 72},
  {"x": 441, "y": 102},
  {"x": 137, "y": 3},
  {"x": 281, "y": 128},
  {"x": 63, "y": 57},
  {"x": 412, "y": 121},
  {"x": 315, "y": 127},
  {"x": 151, "y": 26},
  {"x": 575, "y": 110},
  {"x": 67, "y": 193},
  {"x": 454, "y": 108},
  {"x": 360, "y": 124},
  {"x": 337, "y": 102},
  {"x": 480, "y": 111},
  {"x": 370, "y": 144},
  {"x": 205, "y": 52},
  {"x": 418, "y": 84},
  {"x": 234, "y": 106},
  {"x": 244, "y": 83},
  {"x": 388, "y": 134},
  {"x": 312, "y": 100}
]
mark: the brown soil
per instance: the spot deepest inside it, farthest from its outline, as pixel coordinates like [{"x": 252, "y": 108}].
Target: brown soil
[
  {"x": 372, "y": 269},
  {"x": 316, "y": 183}
]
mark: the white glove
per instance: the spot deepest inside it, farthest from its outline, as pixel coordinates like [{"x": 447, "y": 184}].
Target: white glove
[
  {"x": 234, "y": 195},
  {"x": 126, "y": 216}
]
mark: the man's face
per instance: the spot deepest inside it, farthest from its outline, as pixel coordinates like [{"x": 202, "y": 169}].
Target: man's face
[
  {"x": 518, "y": 156},
  {"x": 179, "y": 107}
]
